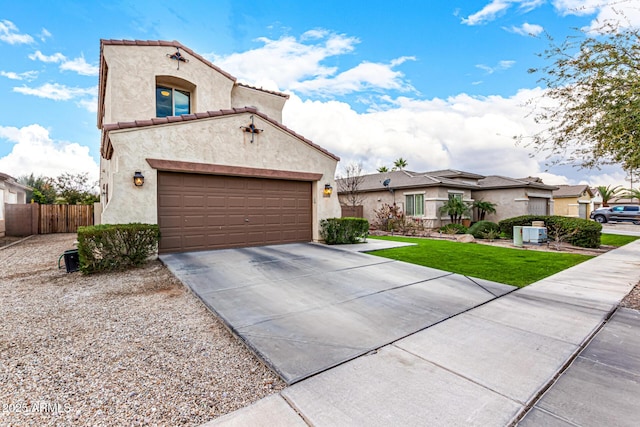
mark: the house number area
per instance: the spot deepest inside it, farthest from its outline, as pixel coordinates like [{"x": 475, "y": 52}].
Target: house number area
[{"x": 39, "y": 407}]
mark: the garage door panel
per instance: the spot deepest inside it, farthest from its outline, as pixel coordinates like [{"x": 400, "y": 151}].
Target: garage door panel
[
  {"x": 197, "y": 212},
  {"x": 191, "y": 181},
  {"x": 236, "y": 201},
  {"x": 194, "y": 221},
  {"x": 173, "y": 200},
  {"x": 193, "y": 201}
]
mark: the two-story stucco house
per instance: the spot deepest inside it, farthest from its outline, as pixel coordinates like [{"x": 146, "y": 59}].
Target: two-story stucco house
[{"x": 185, "y": 146}]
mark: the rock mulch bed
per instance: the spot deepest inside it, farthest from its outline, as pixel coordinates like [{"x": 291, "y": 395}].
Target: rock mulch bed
[{"x": 129, "y": 348}]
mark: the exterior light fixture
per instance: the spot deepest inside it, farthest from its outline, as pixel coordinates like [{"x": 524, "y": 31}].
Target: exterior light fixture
[
  {"x": 328, "y": 189},
  {"x": 138, "y": 179}
]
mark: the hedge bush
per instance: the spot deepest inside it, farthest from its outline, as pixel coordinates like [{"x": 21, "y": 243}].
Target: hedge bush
[
  {"x": 481, "y": 229},
  {"x": 453, "y": 228},
  {"x": 109, "y": 247},
  {"x": 336, "y": 231},
  {"x": 586, "y": 236}
]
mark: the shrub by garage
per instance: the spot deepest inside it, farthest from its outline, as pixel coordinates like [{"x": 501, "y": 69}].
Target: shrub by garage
[
  {"x": 336, "y": 231},
  {"x": 111, "y": 247}
]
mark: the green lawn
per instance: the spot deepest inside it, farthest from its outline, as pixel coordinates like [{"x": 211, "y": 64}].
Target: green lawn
[
  {"x": 504, "y": 265},
  {"x": 616, "y": 239}
]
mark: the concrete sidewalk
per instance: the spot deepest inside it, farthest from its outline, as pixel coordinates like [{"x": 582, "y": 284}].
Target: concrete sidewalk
[{"x": 487, "y": 366}]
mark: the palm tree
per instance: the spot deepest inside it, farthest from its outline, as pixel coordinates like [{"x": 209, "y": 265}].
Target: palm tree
[
  {"x": 400, "y": 163},
  {"x": 456, "y": 209},
  {"x": 383, "y": 169},
  {"x": 608, "y": 193},
  {"x": 484, "y": 208},
  {"x": 632, "y": 193}
]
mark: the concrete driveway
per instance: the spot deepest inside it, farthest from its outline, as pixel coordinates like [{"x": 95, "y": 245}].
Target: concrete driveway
[{"x": 304, "y": 308}]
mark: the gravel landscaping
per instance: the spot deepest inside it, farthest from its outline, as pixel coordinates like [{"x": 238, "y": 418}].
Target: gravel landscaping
[{"x": 130, "y": 348}]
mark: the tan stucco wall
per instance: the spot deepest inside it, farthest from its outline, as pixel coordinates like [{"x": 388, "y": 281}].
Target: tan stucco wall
[
  {"x": 568, "y": 206},
  {"x": 131, "y": 82},
  {"x": 509, "y": 202},
  {"x": 215, "y": 141},
  {"x": 265, "y": 102}
]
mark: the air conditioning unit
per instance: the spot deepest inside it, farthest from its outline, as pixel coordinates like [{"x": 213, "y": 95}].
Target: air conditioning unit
[{"x": 534, "y": 234}]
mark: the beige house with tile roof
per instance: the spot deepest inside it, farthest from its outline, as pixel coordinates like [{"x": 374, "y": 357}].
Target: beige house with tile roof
[
  {"x": 219, "y": 168},
  {"x": 573, "y": 201},
  {"x": 420, "y": 195}
]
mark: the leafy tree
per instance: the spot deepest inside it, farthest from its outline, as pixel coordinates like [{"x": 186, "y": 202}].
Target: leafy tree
[
  {"x": 456, "y": 209},
  {"x": 400, "y": 163},
  {"x": 76, "y": 189},
  {"x": 632, "y": 193},
  {"x": 349, "y": 185},
  {"x": 608, "y": 193},
  {"x": 593, "y": 82},
  {"x": 484, "y": 208},
  {"x": 383, "y": 169},
  {"x": 44, "y": 191}
]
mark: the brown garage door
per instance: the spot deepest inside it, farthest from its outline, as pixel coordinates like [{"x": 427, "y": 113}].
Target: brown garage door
[{"x": 198, "y": 212}]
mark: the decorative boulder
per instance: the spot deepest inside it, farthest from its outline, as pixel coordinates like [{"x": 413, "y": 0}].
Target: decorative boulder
[{"x": 465, "y": 238}]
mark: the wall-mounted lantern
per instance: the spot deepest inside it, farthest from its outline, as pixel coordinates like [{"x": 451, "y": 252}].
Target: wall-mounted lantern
[
  {"x": 138, "y": 179},
  {"x": 328, "y": 189}
]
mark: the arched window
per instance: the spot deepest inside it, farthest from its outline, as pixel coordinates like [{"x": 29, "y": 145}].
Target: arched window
[{"x": 173, "y": 96}]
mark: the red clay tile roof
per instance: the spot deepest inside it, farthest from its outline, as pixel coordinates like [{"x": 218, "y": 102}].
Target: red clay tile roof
[{"x": 107, "y": 150}]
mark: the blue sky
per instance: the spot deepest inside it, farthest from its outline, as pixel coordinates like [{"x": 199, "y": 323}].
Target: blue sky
[{"x": 440, "y": 83}]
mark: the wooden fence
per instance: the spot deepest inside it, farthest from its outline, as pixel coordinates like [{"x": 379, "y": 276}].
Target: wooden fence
[{"x": 64, "y": 218}]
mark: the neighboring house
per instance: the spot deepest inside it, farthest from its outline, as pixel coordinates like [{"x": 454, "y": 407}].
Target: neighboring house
[
  {"x": 420, "y": 195},
  {"x": 596, "y": 200},
  {"x": 573, "y": 200},
  {"x": 11, "y": 192},
  {"x": 220, "y": 169}
]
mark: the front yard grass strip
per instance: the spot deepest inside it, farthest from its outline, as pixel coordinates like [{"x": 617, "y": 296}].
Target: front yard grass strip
[
  {"x": 503, "y": 265},
  {"x": 616, "y": 239}
]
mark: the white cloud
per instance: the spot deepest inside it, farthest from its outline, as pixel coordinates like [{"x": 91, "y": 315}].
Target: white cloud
[
  {"x": 623, "y": 13},
  {"x": 35, "y": 152},
  {"x": 298, "y": 65},
  {"x": 9, "y": 33},
  {"x": 488, "y": 13},
  {"x": 286, "y": 61},
  {"x": 526, "y": 29},
  {"x": 39, "y": 56},
  {"x": 500, "y": 66},
  {"x": 56, "y": 91},
  {"x": 27, "y": 75},
  {"x": 80, "y": 66},
  {"x": 496, "y": 8},
  {"x": 44, "y": 34},
  {"x": 462, "y": 132},
  {"x": 91, "y": 104},
  {"x": 364, "y": 76}
]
